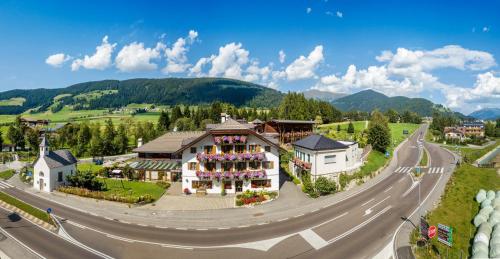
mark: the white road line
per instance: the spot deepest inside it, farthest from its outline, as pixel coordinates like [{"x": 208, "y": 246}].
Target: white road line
[
  {"x": 442, "y": 169},
  {"x": 372, "y": 199},
  {"x": 400, "y": 180},
  {"x": 244, "y": 226},
  {"x": 161, "y": 227},
  {"x": 397, "y": 170},
  {"x": 300, "y": 215},
  {"x": 378, "y": 203},
  {"x": 126, "y": 222},
  {"x": 142, "y": 225},
  {"x": 181, "y": 228},
  {"x": 263, "y": 223},
  {"x": 335, "y": 239},
  {"x": 411, "y": 188},
  {"x": 330, "y": 220},
  {"x": 76, "y": 224},
  {"x": 222, "y": 228},
  {"x": 313, "y": 239},
  {"x": 314, "y": 210},
  {"x": 202, "y": 229},
  {"x": 279, "y": 220},
  {"x": 108, "y": 218},
  {"x": 388, "y": 189},
  {"x": 120, "y": 238}
]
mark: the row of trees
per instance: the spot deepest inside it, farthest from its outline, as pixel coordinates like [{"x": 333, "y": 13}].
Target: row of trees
[{"x": 406, "y": 117}]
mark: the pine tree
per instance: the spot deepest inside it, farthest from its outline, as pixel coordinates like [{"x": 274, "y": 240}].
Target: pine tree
[
  {"x": 350, "y": 128},
  {"x": 163, "y": 121},
  {"x": 338, "y": 127},
  {"x": 108, "y": 137}
]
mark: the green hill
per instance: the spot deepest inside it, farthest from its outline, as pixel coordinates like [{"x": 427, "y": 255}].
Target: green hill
[
  {"x": 368, "y": 100},
  {"x": 167, "y": 91}
]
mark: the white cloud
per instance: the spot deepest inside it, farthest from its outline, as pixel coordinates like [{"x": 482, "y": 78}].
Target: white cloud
[
  {"x": 304, "y": 67},
  {"x": 100, "y": 60},
  {"x": 308, "y": 10},
  {"x": 329, "y": 13},
  {"x": 229, "y": 61},
  {"x": 486, "y": 92},
  {"x": 176, "y": 55},
  {"x": 57, "y": 60},
  {"x": 340, "y": 14},
  {"x": 134, "y": 57},
  {"x": 486, "y": 29},
  {"x": 282, "y": 56}
]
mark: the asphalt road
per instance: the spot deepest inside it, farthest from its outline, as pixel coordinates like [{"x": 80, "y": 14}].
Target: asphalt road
[{"x": 357, "y": 227}]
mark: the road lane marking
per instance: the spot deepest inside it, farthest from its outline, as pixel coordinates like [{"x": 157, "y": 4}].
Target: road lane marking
[
  {"x": 244, "y": 226},
  {"x": 314, "y": 210},
  {"x": 202, "y": 229},
  {"x": 330, "y": 220},
  {"x": 400, "y": 180},
  {"x": 222, "y": 228},
  {"x": 181, "y": 228},
  {"x": 120, "y": 238},
  {"x": 142, "y": 225},
  {"x": 313, "y": 239},
  {"x": 386, "y": 190},
  {"x": 263, "y": 223},
  {"x": 300, "y": 215},
  {"x": 372, "y": 199},
  {"x": 442, "y": 169},
  {"x": 411, "y": 188},
  {"x": 369, "y": 210},
  {"x": 279, "y": 220},
  {"x": 76, "y": 224},
  {"x": 335, "y": 239}
]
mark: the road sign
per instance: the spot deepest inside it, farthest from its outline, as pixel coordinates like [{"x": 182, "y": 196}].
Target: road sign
[
  {"x": 405, "y": 131},
  {"x": 387, "y": 154},
  {"x": 424, "y": 227},
  {"x": 432, "y": 232},
  {"x": 445, "y": 234},
  {"x": 49, "y": 210},
  {"x": 417, "y": 169}
]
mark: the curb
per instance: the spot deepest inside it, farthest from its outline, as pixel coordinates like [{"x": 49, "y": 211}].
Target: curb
[{"x": 28, "y": 216}]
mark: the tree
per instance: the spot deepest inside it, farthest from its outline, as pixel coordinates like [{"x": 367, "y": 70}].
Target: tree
[
  {"x": 163, "y": 121},
  {"x": 338, "y": 127},
  {"x": 350, "y": 128},
  {"x": 176, "y": 113},
  {"x": 108, "y": 138},
  {"x": 379, "y": 137},
  {"x": 377, "y": 118},
  {"x": 15, "y": 136},
  {"x": 318, "y": 120},
  {"x": 393, "y": 115},
  {"x": 324, "y": 186},
  {"x": 33, "y": 140},
  {"x": 1, "y": 139},
  {"x": 121, "y": 140},
  {"x": 95, "y": 148},
  {"x": 184, "y": 124}
]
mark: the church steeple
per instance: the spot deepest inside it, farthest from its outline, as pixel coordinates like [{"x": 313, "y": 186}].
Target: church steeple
[{"x": 44, "y": 147}]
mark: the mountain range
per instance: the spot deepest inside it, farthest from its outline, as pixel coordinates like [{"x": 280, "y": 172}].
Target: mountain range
[
  {"x": 115, "y": 94},
  {"x": 486, "y": 114},
  {"x": 368, "y": 100}
]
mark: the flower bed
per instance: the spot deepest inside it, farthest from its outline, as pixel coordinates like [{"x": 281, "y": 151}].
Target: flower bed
[
  {"x": 254, "y": 197},
  {"x": 301, "y": 163},
  {"x": 231, "y": 157},
  {"x": 104, "y": 196},
  {"x": 230, "y": 139},
  {"x": 239, "y": 175}
]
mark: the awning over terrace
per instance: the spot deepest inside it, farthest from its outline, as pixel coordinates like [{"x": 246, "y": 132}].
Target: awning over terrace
[{"x": 156, "y": 165}]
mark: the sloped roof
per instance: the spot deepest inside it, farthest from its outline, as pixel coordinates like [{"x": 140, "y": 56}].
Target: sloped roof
[
  {"x": 256, "y": 121},
  {"x": 59, "y": 158},
  {"x": 168, "y": 142},
  {"x": 231, "y": 124},
  {"x": 319, "y": 142},
  {"x": 294, "y": 121}
]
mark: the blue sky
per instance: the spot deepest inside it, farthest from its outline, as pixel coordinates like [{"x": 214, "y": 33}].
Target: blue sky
[{"x": 444, "y": 51}]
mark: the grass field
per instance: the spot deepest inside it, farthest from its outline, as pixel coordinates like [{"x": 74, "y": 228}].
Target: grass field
[
  {"x": 16, "y": 101},
  {"x": 457, "y": 209},
  {"x": 7, "y": 174},
  {"x": 424, "y": 160},
  {"x": 358, "y": 126},
  {"x": 132, "y": 188},
  {"x": 88, "y": 167},
  {"x": 26, "y": 207},
  {"x": 397, "y": 132}
]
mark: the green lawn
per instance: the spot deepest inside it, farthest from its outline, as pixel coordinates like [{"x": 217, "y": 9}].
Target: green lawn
[
  {"x": 358, "y": 126},
  {"x": 458, "y": 207},
  {"x": 16, "y": 101},
  {"x": 471, "y": 154},
  {"x": 424, "y": 160},
  {"x": 88, "y": 167},
  {"x": 132, "y": 188},
  {"x": 26, "y": 207},
  {"x": 7, "y": 174},
  {"x": 397, "y": 132}
]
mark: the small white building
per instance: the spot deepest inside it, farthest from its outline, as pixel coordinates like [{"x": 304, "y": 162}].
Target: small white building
[
  {"x": 322, "y": 156},
  {"x": 52, "y": 167}
]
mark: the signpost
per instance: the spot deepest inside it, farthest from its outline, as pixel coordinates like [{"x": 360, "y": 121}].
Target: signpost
[
  {"x": 445, "y": 235},
  {"x": 49, "y": 210},
  {"x": 431, "y": 232},
  {"x": 424, "y": 227},
  {"x": 387, "y": 154}
]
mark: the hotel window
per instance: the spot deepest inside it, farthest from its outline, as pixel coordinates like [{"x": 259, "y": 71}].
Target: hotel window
[
  {"x": 267, "y": 148},
  {"x": 227, "y": 166},
  {"x": 253, "y": 148},
  {"x": 192, "y": 166},
  {"x": 254, "y": 165},
  {"x": 268, "y": 165},
  {"x": 261, "y": 183},
  {"x": 227, "y": 149},
  {"x": 193, "y": 150},
  {"x": 198, "y": 184},
  {"x": 331, "y": 159},
  {"x": 228, "y": 185},
  {"x": 240, "y": 166},
  {"x": 308, "y": 158},
  {"x": 209, "y": 149},
  {"x": 210, "y": 166},
  {"x": 239, "y": 148},
  {"x": 59, "y": 176}
]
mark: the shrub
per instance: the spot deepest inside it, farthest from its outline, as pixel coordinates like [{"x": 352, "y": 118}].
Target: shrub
[
  {"x": 85, "y": 179},
  {"x": 343, "y": 180},
  {"x": 325, "y": 186},
  {"x": 163, "y": 184},
  {"x": 296, "y": 180},
  {"x": 239, "y": 203}
]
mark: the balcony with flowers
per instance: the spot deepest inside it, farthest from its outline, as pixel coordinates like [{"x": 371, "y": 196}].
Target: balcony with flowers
[
  {"x": 302, "y": 164},
  {"x": 231, "y": 175},
  {"x": 248, "y": 156},
  {"x": 236, "y": 139}
]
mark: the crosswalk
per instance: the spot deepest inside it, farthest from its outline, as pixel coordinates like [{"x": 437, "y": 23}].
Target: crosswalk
[
  {"x": 5, "y": 185},
  {"x": 403, "y": 170},
  {"x": 435, "y": 170},
  {"x": 409, "y": 169}
]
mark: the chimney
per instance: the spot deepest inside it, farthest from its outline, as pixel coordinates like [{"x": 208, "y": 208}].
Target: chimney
[
  {"x": 223, "y": 117},
  {"x": 139, "y": 142}
]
